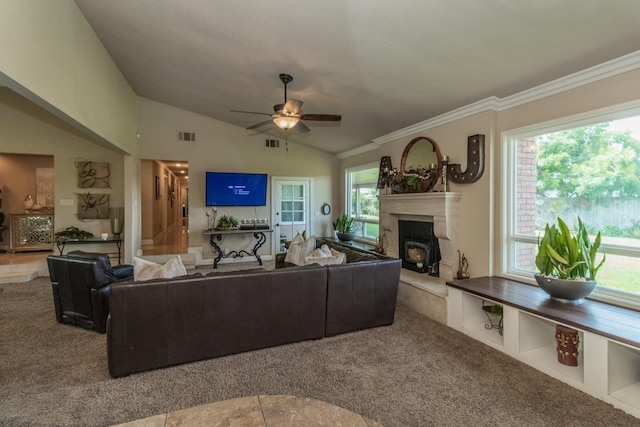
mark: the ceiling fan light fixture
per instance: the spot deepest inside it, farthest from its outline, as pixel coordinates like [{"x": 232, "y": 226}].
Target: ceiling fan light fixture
[{"x": 285, "y": 122}]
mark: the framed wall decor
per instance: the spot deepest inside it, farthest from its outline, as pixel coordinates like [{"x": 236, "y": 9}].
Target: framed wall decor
[
  {"x": 93, "y": 206},
  {"x": 158, "y": 193},
  {"x": 93, "y": 174}
]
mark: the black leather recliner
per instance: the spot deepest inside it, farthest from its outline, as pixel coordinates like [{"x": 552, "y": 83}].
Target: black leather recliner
[{"x": 81, "y": 283}]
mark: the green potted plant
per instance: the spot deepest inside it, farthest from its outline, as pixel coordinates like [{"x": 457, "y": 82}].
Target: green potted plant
[
  {"x": 567, "y": 261},
  {"x": 227, "y": 222},
  {"x": 345, "y": 228}
]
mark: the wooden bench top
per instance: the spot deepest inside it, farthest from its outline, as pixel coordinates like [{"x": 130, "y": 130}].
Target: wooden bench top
[{"x": 617, "y": 323}]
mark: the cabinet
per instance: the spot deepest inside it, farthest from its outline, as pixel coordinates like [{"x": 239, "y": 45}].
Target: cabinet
[
  {"x": 31, "y": 232},
  {"x": 608, "y": 353}
]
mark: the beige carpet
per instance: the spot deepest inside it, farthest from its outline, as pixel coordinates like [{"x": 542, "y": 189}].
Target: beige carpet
[{"x": 413, "y": 373}]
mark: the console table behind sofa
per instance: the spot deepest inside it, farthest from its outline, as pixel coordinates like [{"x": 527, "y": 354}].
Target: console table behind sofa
[{"x": 609, "y": 353}]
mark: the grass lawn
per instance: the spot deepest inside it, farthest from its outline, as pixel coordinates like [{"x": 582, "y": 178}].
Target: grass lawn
[{"x": 620, "y": 272}]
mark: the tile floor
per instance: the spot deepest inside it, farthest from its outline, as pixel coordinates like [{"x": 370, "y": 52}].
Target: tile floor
[
  {"x": 9, "y": 258},
  {"x": 259, "y": 411},
  {"x": 174, "y": 241}
]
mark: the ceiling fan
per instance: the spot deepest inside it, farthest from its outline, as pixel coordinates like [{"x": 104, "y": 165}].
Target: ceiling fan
[{"x": 289, "y": 114}]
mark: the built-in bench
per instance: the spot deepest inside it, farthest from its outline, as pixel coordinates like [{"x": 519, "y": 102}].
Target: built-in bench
[{"x": 609, "y": 353}]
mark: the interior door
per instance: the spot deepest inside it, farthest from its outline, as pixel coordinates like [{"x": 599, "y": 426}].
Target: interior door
[{"x": 291, "y": 201}]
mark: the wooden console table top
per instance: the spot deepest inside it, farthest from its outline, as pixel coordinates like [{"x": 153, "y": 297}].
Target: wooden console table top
[{"x": 617, "y": 323}]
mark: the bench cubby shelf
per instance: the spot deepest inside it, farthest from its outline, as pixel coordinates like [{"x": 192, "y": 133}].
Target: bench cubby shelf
[
  {"x": 609, "y": 351},
  {"x": 475, "y": 320}
]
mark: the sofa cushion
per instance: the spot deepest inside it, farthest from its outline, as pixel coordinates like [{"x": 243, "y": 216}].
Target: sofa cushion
[{"x": 145, "y": 270}]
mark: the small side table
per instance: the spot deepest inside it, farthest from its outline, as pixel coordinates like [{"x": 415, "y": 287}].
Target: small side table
[{"x": 62, "y": 242}]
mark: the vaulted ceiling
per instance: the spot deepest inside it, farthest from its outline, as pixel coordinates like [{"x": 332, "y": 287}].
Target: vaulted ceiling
[{"x": 382, "y": 65}]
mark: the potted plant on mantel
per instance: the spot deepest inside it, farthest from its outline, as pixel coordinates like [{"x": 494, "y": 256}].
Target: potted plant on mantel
[
  {"x": 345, "y": 228},
  {"x": 567, "y": 262}
]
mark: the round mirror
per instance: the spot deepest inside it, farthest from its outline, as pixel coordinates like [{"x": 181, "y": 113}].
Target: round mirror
[{"x": 419, "y": 155}]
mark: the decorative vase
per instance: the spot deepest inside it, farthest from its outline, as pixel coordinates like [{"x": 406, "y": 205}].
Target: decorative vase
[
  {"x": 568, "y": 345},
  {"x": 565, "y": 290},
  {"x": 116, "y": 217},
  {"x": 345, "y": 237}
]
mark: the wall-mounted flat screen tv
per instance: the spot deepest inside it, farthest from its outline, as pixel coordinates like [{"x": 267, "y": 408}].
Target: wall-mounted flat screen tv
[{"x": 236, "y": 189}]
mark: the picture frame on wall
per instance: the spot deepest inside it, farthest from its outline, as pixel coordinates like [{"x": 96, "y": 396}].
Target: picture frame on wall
[
  {"x": 93, "y": 206},
  {"x": 158, "y": 195},
  {"x": 93, "y": 174}
]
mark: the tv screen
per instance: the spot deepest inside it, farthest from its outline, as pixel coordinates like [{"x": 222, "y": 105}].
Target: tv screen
[{"x": 236, "y": 189}]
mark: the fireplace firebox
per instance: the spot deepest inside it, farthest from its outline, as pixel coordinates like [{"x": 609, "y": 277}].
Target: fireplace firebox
[{"x": 419, "y": 245}]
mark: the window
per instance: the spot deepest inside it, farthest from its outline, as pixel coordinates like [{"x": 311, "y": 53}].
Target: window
[
  {"x": 362, "y": 201},
  {"x": 587, "y": 167},
  {"x": 292, "y": 203}
]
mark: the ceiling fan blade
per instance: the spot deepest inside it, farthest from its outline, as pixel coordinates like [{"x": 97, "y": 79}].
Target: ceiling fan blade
[
  {"x": 301, "y": 127},
  {"x": 259, "y": 125},
  {"x": 321, "y": 117},
  {"x": 249, "y": 112},
  {"x": 292, "y": 106}
]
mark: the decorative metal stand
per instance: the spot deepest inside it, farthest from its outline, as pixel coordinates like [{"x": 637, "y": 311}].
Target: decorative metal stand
[
  {"x": 494, "y": 319},
  {"x": 217, "y": 235}
]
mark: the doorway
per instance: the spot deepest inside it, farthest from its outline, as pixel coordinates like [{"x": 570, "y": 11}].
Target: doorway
[
  {"x": 27, "y": 186},
  {"x": 165, "y": 202},
  {"x": 291, "y": 209}
]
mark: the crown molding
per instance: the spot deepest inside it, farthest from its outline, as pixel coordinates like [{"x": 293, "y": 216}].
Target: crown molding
[
  {"x": 359, "y": 150},
  {"x": 491, "y": 103},
  {"x": 598, "y": 72}
]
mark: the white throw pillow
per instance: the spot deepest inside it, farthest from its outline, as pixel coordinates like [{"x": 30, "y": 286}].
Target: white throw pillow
[
  {"x": 146, "y": 270},
  {"x": 325, "y": 250},
  {"x": 319, "y": 256},
  {"x": 299, "y": 249}
]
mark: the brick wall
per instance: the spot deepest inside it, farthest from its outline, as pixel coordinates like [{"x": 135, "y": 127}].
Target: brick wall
[{"x": 526, "y": 200}]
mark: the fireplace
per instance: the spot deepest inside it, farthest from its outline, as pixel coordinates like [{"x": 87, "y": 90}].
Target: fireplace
[
  {"x": 439, "y": 208},
  {"x": 417, "y": 242}
]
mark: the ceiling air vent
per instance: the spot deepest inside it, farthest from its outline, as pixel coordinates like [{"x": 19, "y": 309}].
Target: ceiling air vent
[
  {"x": 186, "y": 136},
  {"x": 272, "y": 143}
]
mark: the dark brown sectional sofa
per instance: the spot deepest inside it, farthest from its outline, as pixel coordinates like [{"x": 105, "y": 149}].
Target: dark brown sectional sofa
[{"x": 166, "y": 322}]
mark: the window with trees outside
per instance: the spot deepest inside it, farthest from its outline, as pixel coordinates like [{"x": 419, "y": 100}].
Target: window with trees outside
[
  {"x": 362, "y": 201},
  {"x": 587, "y": 167}
]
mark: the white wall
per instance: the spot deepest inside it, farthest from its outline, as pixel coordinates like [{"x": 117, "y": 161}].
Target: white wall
[
  {"x": 480, "y": 219},
  {"x": 51, "y": 55},
  {"x": 474, "y": 232},
  {"x": 227, "y": 148},
  {"x": 28, "y": 129}
]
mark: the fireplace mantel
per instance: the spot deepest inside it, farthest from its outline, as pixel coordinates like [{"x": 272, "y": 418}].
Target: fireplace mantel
[{"x": 439, "y": 208}]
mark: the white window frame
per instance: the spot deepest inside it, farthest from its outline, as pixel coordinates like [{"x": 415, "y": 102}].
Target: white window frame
[
  {"x": 508, "y": 237},
  {"x": 347, "y": 200}
]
